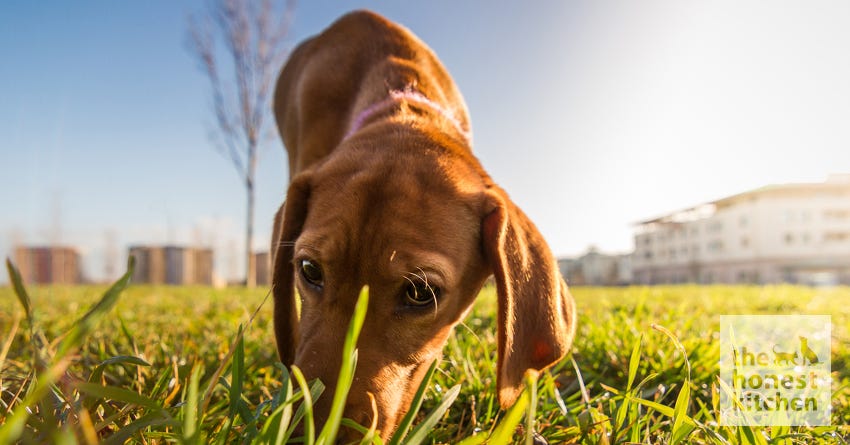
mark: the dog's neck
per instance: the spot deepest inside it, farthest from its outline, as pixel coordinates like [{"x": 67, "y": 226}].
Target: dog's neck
[{"x": 409, "y": 95}]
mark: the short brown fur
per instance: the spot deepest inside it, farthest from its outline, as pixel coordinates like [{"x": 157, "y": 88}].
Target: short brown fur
[{"x": 384, "y": 201}]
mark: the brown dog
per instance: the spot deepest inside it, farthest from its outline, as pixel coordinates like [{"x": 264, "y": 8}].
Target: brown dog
[{"x": 385, "y": 191}]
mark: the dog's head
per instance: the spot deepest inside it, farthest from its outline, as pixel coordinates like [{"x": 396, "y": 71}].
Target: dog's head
[{"x": 423, "y": 232}]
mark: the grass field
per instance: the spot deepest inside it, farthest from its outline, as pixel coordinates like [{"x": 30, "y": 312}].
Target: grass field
[{"x": 158, "y": 365}]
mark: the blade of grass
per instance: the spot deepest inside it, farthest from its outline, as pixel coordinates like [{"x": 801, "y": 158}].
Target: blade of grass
[
  {"x": 556, "y": 395},
  {"x": 237, "y": 377},
  {"x": 346, "y": 370},
  {"x": 585, "y": 397},
  {"x": 13, "y": 426},
  {"x": 745, "y": 434},
  {"x": 157, "y": 418},
  {"x": 681, "y": 429},
  {"x": 217, "y": 374},
  {"x": 531, "y": 387},
  {"x": 676, "y": 343},
  {"x": 280, "y": 418},
  {"x": 83, "y": 327},
  {"x": 369, "y": 435},
  {"x": 20, "y": 290},
  {"x": 420, "y": 433},
  {"x": 191, "y": 415},
  {"x": 404, "y": 426},
  {"x": 37, "y": 340},
  {"x": 316, "y": 390},
  {"x": 119, "y": 394},
  {"x": 7, "y": 343},
  {"x": 309, "y": 427},
  {"x": 282, "y": 427},
  {"x": 663, "y": 409},
  {"x": 63, "y": 437},
  {"x": 504, "y": 432},
  {"x": 476, "y": 439},
  {"x": 97, "y": 372},
  {"x": 634, "y": 360},
  {"x": 625, "y": 407}
]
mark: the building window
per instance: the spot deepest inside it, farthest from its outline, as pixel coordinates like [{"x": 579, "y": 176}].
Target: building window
[
  {"x": 789, "y": 216},
  {"x": 836, "y": 214},
  {"x": 743, "y": 221},
  {"x": 836, "y": 237},
  {"x": 745, "y": 242},
  {"x": 789, "y": 238}
]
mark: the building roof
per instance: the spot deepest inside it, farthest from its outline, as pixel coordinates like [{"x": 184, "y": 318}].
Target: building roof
[
  {"x": 837, "y": 183},
  {"x": 52, "y": 247},
  {"x": 167, "y": 246}
]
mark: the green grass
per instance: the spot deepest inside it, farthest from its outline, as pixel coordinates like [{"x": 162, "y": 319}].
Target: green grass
[{"x": 198, "y": 365}]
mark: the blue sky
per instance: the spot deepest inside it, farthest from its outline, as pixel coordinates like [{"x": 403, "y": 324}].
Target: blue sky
[{"x": 593, "y": 115}]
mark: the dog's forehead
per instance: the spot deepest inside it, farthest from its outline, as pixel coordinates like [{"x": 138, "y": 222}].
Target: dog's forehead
[
  {"x": 404, "y": 184},
  {"x": 399, "y": 216}
]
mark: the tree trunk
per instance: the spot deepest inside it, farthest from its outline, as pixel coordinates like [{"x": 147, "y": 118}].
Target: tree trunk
[{"x": 250, "y": 264}]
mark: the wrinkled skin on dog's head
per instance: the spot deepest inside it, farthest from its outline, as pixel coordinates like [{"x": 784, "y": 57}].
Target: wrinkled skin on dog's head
[{"x": 423, "y": 232}]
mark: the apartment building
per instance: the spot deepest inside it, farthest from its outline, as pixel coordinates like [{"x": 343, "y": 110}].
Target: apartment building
[
  {"x": 262, "y": 261},
  {"x": 793, "y": 233},
  {"x": 172, "y": 265},
  {"x": 49, "y": 265}
]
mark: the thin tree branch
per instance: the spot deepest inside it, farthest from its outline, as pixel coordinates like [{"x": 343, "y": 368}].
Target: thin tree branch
[{"x": 253, "y": 34}]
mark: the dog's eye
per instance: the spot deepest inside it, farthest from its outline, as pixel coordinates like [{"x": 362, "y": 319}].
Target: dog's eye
[
  {"x": 420, "y": 294},
  {"x": 312, "y": 272}
]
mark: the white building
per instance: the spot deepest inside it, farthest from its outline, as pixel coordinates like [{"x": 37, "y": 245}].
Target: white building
[{"x": 794, "y": 233}]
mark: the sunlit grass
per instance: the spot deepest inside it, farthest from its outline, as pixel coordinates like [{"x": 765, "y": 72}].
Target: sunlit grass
[{"x": 198, "y": 365}]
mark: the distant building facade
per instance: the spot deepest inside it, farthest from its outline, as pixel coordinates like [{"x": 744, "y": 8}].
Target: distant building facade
[
  {"x": 791, "y": 233},
  {"x": 597, "y": 269},
  {"x": 172, "y": 265},
  {"x": 49, "y": 265},
  {"x": 262, "y": 263}
]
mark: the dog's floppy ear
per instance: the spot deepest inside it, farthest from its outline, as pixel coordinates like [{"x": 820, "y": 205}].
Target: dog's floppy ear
[
  {"x": 536, "y": 310},
  {"x": 288, "y": 223}
]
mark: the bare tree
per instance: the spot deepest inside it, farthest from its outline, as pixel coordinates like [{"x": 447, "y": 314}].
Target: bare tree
[{"x": 253, "y": 34}]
